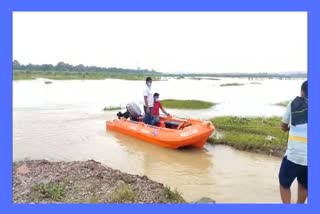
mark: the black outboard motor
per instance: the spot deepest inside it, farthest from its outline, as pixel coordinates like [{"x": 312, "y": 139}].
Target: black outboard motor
[{"x": 125, "y": 115}]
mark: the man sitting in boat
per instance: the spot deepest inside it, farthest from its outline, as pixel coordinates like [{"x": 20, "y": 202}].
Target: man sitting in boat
[{"x": 156, "y": 106}]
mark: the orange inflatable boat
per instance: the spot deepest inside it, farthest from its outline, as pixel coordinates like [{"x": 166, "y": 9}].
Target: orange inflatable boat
[{"x": 171, "y": 132}]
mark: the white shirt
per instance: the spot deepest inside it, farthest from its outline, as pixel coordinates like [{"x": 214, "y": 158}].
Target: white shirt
[
  {"x": 297, "y": 142},
  {"x": 148, "y": 93}
]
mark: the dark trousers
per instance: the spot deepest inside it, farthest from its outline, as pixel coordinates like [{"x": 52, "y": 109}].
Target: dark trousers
[{"x": 147, "y": 116}]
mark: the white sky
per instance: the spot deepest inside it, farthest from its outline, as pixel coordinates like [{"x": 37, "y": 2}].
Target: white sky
[{"x": 195, "y": 42}]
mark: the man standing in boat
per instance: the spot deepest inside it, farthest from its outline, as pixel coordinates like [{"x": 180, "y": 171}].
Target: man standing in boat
[
  {"x": 148, "y": 102},
  {"x": 294, "y": 164}
]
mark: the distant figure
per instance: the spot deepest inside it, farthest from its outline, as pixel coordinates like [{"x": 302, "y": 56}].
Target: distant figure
[
  {"x": 148, "y": 102},
  {"x": 294, "y": 164},
  {"x": 156, "y": 106}
]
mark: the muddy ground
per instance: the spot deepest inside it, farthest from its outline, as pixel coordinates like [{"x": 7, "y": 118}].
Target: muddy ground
[{"x": 41, "y": 181}]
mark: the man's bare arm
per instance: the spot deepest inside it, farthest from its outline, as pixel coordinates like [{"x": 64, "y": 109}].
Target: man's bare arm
[{"x": 284, "y": 127}]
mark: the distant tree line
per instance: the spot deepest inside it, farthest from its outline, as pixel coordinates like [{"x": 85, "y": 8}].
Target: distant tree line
[{"x": 66, "y": 67}]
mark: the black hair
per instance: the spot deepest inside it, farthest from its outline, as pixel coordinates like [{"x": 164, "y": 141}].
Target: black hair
[
  {"x": 156, "y": 95},
  {"x": 148, "y": 79},
  {"x": 304, "y": 88}
]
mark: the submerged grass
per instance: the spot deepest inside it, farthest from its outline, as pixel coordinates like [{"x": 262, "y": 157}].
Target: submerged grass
[
  {"x": 212, "y": 79},
  {"x": 231, "y": 84},
  {"x": 260, "y": 134},
  {"x": 111, "y": 108},
  {"x": 255, "y": 83},
  {"x": 186, "y": 104},
  {"x": 283, "y": 103},
  {"x": 203, "y": 78}
]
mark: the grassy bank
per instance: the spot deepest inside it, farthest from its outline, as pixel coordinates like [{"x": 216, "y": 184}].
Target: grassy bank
[
  {"x": 257, "y": 134},
  {"x": 79, "y": 76},
  {"x": 186, "y": 104}
]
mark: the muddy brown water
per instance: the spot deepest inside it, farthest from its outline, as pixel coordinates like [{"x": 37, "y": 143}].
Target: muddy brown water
[
  {"x": 219, "y": 172},
  {"x": 64, "y": 121}
]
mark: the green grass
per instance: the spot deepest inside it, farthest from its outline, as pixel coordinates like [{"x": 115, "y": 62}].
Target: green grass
[
  {"x": 252, "y": 133},
  {"x": 186, "y": 104},
  {"x": 94, "y": 200},
  {"x": 283, "y": 103},
  {"x": 231, "y": 84},
  {"x": 31, "y": 75},
  {"x": 173, "y": 195},
  {"x": 111, "y": 108},
  {"x": 54, "y": 191},
  {"x": 123, "y": 194}
]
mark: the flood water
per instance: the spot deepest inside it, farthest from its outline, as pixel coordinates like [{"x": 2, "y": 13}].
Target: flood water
[{"x": 64, "y": 121}]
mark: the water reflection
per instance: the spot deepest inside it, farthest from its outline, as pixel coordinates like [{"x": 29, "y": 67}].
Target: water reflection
[{"x": 191, "y": 158}]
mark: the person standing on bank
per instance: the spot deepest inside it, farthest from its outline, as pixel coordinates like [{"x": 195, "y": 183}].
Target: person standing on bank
[
  {"x": 148, "y": 102},
  {"x": 294, "y": 164}
]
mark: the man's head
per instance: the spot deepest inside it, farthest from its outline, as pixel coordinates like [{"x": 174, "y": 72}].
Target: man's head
[
  {"x": 156, "y": 97},
  {"x": 304, "y": 89},
  {"x": 148, "y": 81}
]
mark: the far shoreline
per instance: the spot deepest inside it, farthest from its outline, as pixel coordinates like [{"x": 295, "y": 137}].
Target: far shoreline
[{"x": 138, "y": 75}]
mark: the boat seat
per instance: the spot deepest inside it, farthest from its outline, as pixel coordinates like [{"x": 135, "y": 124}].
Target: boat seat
[{"x": 171, "y": 124}]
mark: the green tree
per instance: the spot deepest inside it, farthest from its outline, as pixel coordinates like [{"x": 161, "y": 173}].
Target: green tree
[{"x": 16, "y": 65}]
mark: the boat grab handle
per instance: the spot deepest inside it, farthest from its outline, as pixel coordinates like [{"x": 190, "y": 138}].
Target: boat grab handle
[{"x": 181, "y": 125}]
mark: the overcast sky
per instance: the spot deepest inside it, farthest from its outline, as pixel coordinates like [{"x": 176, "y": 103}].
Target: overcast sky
[{"x": 195, "y": 42}]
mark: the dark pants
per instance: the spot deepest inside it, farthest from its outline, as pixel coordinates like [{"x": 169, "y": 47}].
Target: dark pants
[
  {"x": 290, "y": 171},
  {"x": 147, "y": 116}
]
